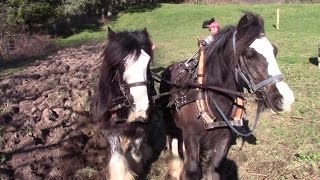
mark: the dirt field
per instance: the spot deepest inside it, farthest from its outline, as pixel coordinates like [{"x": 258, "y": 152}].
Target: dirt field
[{"x": 46, "y": 131}]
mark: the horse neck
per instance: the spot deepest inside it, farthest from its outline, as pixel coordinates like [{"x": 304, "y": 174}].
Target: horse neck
[
  {"x": 228, "y": 81},
  {"x": 224, "y": 101}
]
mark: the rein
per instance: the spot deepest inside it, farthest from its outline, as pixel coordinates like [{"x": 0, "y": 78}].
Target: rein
[
  {"x": 192, "y": 85},
  {"x": 259, "y": 110}
]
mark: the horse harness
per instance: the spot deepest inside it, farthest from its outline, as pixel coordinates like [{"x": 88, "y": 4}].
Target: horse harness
[{"x": 195, "y": 69}]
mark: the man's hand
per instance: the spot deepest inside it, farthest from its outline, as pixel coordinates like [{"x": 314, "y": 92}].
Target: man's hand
[{"x": 202, "y": 42}]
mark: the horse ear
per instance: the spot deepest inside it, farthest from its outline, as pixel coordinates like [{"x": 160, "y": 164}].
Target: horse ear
[
  {"x": 244, "y": 20},
  {"x": 250, "y": 18},
  {"x": 111, "y": 33},
  {"x": 145, "y": 31}
]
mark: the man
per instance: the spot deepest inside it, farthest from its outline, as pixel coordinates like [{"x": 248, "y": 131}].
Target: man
[{"x": 214, "y": 29}]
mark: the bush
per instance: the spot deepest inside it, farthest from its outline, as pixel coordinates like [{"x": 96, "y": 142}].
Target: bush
[{"x": 23, "y": 46}]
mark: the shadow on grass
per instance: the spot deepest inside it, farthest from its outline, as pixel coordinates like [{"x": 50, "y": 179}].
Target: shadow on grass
[
  {"x": 75, "y": 24},
  {"x": 315, "y": 61},
  {"x": 12, "y": 65},
  {"x": 144, "y": 7},
  {"x": 9, "y": 67},
  {"x": 229, "y": 170}
]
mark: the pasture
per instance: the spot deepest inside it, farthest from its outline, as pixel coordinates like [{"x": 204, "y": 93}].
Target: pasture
[{"x": 287, "y": 146}]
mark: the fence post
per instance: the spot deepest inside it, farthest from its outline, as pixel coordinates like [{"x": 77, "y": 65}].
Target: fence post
[{"x": 278, "y": 18}]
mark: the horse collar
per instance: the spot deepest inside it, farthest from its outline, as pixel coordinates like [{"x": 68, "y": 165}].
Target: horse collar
[{"x": 205, "y": 113}]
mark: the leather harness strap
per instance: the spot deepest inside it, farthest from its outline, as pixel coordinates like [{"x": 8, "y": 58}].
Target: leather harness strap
[
  {"x": 204, "y": 112},
  {"x": 186, "y": 99},
  {"x": 238, "y": 111},
  {"x": 141, "y": 83},
  {"x": 222, "y": 124},
  {"x": 199, "y": 96}
]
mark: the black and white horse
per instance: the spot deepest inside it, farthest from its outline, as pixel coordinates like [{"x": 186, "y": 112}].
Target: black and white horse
[{"x": 123, "y": 102}]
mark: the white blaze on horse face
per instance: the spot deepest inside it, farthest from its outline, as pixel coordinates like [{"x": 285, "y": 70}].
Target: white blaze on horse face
[
  {"x": 137, "y": 72},
  {"x": 264, "y": 47}
]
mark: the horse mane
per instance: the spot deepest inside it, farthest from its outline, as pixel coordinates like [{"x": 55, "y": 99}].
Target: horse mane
[
  {"x": 119, "y": 45},
  {"x": 219, "y": 54}
]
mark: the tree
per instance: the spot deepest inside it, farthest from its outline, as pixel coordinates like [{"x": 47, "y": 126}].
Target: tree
[{"x": 78, "y": 7}]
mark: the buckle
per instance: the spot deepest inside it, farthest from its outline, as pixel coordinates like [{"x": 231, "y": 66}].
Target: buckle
[
  {"x": 238, "y": 122},
  {"x": 183, "y": 100}
]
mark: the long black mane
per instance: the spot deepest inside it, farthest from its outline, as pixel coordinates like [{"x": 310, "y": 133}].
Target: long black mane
[
  {"x": 119, "y": 45},
  {"x": 219, "y": 54}
]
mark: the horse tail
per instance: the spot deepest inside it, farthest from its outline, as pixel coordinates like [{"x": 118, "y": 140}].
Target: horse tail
[
  {"x": 119, "y": 169},
  {"x": 174, "y": 163}
]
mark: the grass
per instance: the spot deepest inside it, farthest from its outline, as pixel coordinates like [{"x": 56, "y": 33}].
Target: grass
[
  {"x": 287, "y": 142},
  {"x": 83, "y": 37},
  {"x": 288, "y": 145}
]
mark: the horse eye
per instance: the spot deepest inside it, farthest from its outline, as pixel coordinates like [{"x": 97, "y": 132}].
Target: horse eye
[
  {"x": 249, "y": 56},
  {"x": 248, "y": 53}
]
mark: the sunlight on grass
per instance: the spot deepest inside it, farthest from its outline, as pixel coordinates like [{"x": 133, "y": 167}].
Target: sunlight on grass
[{"x": 83, "y": 37}]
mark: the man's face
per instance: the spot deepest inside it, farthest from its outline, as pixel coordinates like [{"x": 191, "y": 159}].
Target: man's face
[{"x": 214, "y": 30}]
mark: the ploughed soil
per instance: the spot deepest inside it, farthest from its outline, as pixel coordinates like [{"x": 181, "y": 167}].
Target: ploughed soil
[{"x": 46, "y": 129}]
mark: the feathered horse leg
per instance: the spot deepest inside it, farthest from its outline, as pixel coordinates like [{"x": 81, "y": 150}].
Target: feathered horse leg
[{"x": 118, "y": 166}]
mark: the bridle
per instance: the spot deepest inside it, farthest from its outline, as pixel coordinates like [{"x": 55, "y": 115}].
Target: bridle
[
  {"x": 124, "y": 101},
  {"x": 260, "y": 88},
  {"x": 242, "y": 71}
]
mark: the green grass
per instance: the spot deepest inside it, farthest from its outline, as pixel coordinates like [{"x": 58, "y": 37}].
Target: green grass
[
  {"x": 289, "y": 142},
  {"x": 81, "y": 38},
  {"x": 291, "y": 139},
  {"x": 175, "y": 28}
]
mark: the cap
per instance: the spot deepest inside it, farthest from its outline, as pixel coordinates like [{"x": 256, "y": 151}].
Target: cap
[{"x": 214, "y": 24}]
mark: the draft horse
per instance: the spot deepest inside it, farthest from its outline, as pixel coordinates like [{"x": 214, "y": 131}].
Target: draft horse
[
  {"x": 206, "y": 101},
  {"x": 123, "y": 102}
]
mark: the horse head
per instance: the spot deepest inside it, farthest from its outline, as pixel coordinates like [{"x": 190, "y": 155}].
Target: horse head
[
  {"x": 247, "y": 52},
  {"x": 124, "y": 81},
  {"x": 259, "y": 65}
]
